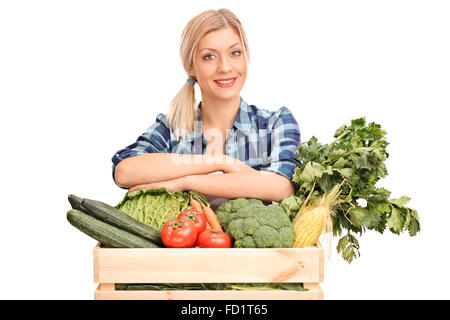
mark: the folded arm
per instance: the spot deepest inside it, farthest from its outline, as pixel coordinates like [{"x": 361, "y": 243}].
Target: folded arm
[
  {"x": 264, "y": 185},
  {"x": 157, "y": 167}
]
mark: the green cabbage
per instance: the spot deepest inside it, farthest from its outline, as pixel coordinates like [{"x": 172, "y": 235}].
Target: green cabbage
[{"x": 154, "y": 207}]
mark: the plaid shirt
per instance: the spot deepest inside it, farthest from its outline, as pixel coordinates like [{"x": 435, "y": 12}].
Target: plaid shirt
[{"x": 264, "y": 140}]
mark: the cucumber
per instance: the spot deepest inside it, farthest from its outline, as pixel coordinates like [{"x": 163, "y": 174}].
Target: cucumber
[
  {"x": 104, "y": 233},
  {"x": 119, "y": 219},
  {"x": 75, "y": 203}
]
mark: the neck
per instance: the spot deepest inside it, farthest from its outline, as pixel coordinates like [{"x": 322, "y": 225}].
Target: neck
[{"x": 219, "y": 114}]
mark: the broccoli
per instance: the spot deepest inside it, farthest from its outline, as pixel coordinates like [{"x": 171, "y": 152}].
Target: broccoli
[
  {"x": 260, "y": 226},
  {"x": 291, "y": 205},
  {"x": 229, "y": 207}
]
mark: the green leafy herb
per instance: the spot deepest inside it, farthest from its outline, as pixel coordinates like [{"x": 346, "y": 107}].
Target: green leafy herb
[
  {"x": 356, "y": 157},
  {"x": 211, "y": 286}
]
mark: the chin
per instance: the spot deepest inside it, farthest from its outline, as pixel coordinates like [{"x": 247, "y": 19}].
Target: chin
[{"x": 227, "y": 95}]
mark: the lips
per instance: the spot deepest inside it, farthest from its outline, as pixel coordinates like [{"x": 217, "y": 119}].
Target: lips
[{"x": 225, "y": 83}]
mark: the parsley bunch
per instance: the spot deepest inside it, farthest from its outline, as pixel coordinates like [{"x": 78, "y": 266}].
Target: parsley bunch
[{"x": 356, "y": 160}]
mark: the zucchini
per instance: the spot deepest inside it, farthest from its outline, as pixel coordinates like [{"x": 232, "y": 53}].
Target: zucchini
[
  {"x": 119, "y": 219},
  {"x": 104, "y": 233}
]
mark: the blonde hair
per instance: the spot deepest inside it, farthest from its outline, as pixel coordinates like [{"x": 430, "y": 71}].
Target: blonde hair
[{"x": 182, "y": 112}]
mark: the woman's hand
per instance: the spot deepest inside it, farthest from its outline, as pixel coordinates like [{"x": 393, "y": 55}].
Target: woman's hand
[
  {"x": 232, "y": 165},
  {"x": 170, "y": 185}
]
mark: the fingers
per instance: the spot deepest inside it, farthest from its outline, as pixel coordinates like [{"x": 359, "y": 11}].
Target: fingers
[{"x": 141, "y": 186}]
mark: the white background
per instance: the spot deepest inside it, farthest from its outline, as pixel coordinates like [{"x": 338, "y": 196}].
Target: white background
[{"x": 81, "y": 79}]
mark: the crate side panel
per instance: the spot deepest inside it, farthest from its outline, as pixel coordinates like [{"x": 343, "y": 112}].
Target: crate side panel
[{"x": 193, "y": 265}]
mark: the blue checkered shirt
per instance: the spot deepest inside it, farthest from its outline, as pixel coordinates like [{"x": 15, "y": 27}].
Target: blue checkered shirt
[{"x": 264, "y": 140}]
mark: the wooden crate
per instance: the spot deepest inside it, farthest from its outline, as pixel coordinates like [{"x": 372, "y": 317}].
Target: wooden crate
[{"x": 207, "y": 265}]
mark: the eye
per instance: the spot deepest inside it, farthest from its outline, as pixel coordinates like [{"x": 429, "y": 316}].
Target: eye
[
  {"x": 236, "y": 53},
  {"x": 209, "y": 56}
]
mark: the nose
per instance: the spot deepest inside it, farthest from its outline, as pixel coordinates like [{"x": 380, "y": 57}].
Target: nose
[{"x": 224, "y": 65}]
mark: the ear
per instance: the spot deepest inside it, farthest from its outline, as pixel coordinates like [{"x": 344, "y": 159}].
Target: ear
[{"x": 191, "y": 72}]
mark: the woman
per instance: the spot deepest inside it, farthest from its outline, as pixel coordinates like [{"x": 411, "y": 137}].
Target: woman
[{"x": 253, "y": 148}]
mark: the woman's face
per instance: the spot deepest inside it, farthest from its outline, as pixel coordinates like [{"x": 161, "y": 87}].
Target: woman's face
[{"x": 220, "y": 66}]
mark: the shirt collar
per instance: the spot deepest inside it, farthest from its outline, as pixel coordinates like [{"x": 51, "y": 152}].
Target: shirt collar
[{"x": 242, "y": 122}]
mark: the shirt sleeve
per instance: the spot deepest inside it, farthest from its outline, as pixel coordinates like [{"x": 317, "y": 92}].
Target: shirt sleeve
[
  {"x": 156, "y": 139},
  {"x": 285, "y": 139}
]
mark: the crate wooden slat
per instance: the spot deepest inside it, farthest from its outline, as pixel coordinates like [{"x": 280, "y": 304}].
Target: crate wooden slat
[
  {"x": 206, "y": 265},
  {"x": 315, "y": 293},
  {"x": 193, "y": 265}
]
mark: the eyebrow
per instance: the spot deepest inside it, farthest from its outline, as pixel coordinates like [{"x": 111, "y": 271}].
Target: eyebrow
[{"x": 215, "y": 50}]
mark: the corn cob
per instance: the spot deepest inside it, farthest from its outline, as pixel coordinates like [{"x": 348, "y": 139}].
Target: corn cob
[
  {"x": 314, "y": 219},
  {"x": 309, "y": 227}
]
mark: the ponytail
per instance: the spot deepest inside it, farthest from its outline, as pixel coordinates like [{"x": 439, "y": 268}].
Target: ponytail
[{"x": 182, "y": 112}]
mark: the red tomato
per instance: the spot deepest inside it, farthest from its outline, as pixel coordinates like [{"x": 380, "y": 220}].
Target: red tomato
[
  {"x": 179, "y": 233},
  {"x": 213, "y": 239},
  {"x": 196, "y": 217}
]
